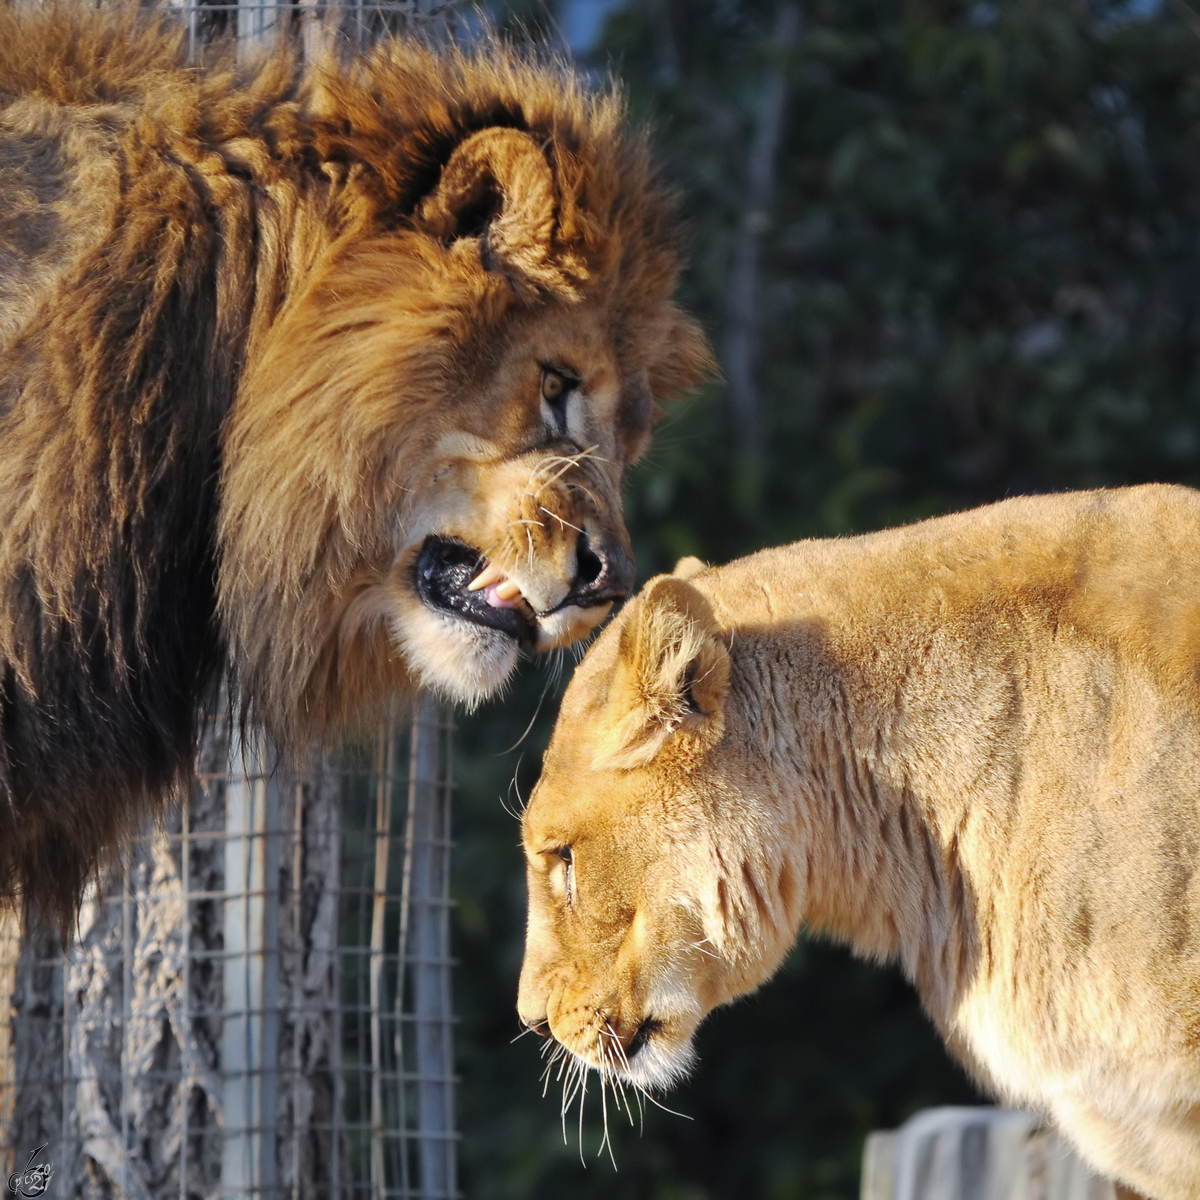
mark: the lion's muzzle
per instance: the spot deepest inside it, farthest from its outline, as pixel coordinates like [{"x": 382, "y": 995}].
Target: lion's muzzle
[{"x": 603, "y": 574}]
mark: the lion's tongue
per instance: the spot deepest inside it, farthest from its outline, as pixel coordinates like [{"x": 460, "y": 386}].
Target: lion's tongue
[{"x": 497, "y": 602}]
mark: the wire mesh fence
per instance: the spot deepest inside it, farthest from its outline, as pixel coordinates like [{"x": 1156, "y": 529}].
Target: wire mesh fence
[
  {"x": 311, "y": 24},
  {"x": 257, "y": 1001}
]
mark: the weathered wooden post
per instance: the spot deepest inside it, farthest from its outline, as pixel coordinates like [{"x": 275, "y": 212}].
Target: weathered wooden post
[{"x": 976, "y": 1154}]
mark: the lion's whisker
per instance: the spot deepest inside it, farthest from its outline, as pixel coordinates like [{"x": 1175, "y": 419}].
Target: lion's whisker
[
  {"x": 514, "y": 786},
  {"x": 567, "y": 464},
  {"x": 587, "y": 491},
  {"x": 561, "y": 520}
]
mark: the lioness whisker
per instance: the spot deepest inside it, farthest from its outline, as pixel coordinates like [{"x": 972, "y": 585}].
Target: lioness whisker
[
  {"x": 618, "y": 1083},
  {"x": 569, "y": 1068},
  {"x": 617, "y": 1051},
  {"x": 658, "y": 1104},
  {"x": 582, "y": 1098},
  {"x": 605, "y": 1141},
  {"x": 569, "y": 1089}
]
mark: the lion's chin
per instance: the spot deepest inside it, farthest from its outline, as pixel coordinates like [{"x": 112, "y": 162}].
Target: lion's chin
[
  {"x": 568, "y": 625},
  {"x": 461, "y": 660}
]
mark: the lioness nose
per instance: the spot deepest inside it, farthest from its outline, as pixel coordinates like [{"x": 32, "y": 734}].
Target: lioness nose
[
  {"x": 539, "y": 1025},
  {"x": 603, "y": 573}
]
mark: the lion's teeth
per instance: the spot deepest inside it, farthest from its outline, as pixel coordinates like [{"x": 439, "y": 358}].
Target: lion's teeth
[
  {"x": 489, "y": 575},
  {"x": 508, "y": 590}
]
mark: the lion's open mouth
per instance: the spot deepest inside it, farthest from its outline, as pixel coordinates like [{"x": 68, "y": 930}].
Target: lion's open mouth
[{"x": 445, "y": 568}]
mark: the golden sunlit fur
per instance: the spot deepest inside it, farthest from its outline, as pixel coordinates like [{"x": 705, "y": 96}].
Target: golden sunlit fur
[
  {"x": 274, "y": 351},
  {"x": 971, "y": 745}
]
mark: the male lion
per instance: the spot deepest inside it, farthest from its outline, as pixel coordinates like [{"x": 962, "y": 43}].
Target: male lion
[
  {"x": 971, "y": 745},
  {"x": 288, "y": 358}
]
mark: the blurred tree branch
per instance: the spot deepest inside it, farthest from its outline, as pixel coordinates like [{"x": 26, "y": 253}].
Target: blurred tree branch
[{"x": 743, "y": 316}]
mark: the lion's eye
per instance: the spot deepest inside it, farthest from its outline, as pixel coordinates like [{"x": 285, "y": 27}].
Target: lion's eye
[{"x": 556, "y": 388}]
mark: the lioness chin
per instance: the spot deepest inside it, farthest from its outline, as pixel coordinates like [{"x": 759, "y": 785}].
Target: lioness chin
[{"x": 971, "y": 745}]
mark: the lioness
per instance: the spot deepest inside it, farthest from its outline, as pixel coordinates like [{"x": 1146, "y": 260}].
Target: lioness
[
  {"x": 333, "y": 368},
  {"x": 971, "y": 745}
]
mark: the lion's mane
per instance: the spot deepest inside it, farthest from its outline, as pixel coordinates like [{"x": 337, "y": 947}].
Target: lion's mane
[{"x": 186, "y": 255}]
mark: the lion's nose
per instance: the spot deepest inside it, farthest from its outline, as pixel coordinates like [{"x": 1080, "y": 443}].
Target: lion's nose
[{"x": 603, "y": 573}]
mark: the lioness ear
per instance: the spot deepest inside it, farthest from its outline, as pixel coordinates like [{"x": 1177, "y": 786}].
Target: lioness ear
[
  {"x": 688, "y": 566},
  {"x": 672, "y": 675},
  {"x": 498, "y": 187}
]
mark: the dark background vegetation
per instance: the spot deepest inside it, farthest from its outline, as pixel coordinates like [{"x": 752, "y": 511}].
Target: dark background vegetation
[{"x": 947, "y": 252}]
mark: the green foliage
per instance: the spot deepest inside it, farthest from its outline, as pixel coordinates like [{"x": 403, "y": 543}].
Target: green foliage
[
  {"x": 979, "y": 274},
  {"x": 978, "y": 277}
]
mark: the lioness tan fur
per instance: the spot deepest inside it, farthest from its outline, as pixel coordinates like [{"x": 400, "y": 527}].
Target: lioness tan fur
[
  {"x": 971, "y": 746},
  {"x": 288, "y": 356}
]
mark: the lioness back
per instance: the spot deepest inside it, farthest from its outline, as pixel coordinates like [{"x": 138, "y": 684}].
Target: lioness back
[{"x": 971, "y": 744}]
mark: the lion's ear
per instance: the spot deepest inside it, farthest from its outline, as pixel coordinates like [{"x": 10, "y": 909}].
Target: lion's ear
[
  {"x": 497, "y": 187},
  {"x": 672, "y": 675}
]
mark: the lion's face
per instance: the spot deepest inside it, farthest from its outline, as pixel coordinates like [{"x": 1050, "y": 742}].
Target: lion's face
[
  {"x": 655, "y": 891},
  {"x": 423, "y": 468},
  {"x": 516, "y": 536}
]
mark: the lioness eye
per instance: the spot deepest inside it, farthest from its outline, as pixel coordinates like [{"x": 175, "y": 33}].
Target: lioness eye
[{"x": 564, "y": 852}]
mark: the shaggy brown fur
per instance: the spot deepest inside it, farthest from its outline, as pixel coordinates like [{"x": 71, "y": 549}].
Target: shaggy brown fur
[
  {"x": 971, "y": 745},
  {"x": 274, "y": 352}
]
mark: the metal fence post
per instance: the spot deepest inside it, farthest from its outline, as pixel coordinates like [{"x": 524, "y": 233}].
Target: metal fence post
[{"x": 427, "y": 952}]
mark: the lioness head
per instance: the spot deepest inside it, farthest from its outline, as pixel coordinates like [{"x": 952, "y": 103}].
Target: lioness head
[
  {"x": 655, "y": 892},
  {"x": 422, "y": 471}
]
